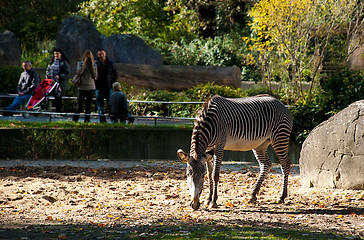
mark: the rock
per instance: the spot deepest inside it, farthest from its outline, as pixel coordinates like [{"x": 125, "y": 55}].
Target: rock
[
  {"x": 356, "y": 60},
  {"x": 128, "y": 48},
  {"x": 332, "y": 156},
  {"x": 10, "y": 50},
  {"x": 76, "y": 34},
  {"x": 177, "y": 77},
  {"x": 50, "y": 199}
]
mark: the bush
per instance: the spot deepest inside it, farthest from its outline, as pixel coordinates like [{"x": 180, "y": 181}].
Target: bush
[
  {"x": 227, "y": 50},
  {"x": 199, "y": 93},
  {"x": 9, "y": 78},
  {"x": 338, "y": 90},
  {"x": 306, "y": 116},
  {"x": 40, "y": 56},
  {"x": 342, "y": 89}
]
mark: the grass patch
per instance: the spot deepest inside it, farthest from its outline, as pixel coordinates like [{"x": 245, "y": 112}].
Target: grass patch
[
  {"x": 213, "y": 231},
  {"x": 194, "y": 231}
]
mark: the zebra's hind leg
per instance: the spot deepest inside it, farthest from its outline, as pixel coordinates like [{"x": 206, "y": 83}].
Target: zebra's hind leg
[
  {"x": 285, "y": 172},
  {"x": 282, "y": 154},
  {"x": 265, "y": 166}
]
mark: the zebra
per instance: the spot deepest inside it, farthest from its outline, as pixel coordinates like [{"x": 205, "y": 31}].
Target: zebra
[{"x": 236, "y": 124}]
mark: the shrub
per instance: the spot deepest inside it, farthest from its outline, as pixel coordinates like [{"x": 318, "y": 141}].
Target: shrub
[
  {"x": 199, "y": 93},
  {"x": 227, "y": 50},
  {"x": 39, "y": 57},
  {"x": 9, "y": 77},
  {"x": 338, "y": 90},
  {"x": 306, "y": 116},
  {"x": 342, "y": 89}
]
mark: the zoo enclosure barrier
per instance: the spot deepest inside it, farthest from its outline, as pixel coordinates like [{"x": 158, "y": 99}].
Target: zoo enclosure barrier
[{"x": 53, "y": 114}]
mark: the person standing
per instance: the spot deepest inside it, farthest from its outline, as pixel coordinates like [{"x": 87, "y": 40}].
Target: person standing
[
  {"x": 59, "y": 69},
  {"x": 118, "y": 105},
  {"x": 107, "y": 75},
  {"x": 28, "y": 81},
  {"x": 87, "y": 72}
]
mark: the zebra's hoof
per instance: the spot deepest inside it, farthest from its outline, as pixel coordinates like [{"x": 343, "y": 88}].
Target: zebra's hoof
[
  {"x": 195, "y": 205},
  {"x": 213, "y": 205},
  {"x": 253, "y": 200},
  {"x": 281, "y": 201}
]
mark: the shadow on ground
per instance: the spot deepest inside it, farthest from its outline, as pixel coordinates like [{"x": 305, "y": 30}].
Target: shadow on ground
[{"x": 164, "y": 230}]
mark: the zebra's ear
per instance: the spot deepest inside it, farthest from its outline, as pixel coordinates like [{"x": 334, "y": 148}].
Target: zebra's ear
[{"x": 182, "y": 156}]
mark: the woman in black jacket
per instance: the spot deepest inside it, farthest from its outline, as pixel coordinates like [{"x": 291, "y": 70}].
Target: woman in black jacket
[{"x": 59, "y": 69}]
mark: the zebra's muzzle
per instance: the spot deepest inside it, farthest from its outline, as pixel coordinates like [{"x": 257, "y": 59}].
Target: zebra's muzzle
[{"x": 195, "y": 203}]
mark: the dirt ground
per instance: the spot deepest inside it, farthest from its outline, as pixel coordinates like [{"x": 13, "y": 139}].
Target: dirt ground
[{"x": 157, "y": 195}]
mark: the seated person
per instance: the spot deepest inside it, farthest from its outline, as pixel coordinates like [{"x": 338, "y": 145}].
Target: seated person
[
  {"x": 29, "y": 79},
  {"x": 118, "y": 105}
]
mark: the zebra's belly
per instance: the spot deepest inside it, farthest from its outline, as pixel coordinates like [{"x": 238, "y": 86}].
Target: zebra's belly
[{"x": 235, "y": 144}]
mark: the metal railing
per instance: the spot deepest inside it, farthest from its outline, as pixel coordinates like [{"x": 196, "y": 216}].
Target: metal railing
[{"x": 52, "y": 115}]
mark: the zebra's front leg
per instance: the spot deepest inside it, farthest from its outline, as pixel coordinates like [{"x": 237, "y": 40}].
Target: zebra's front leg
[
  {"x": 265, "y": 166},
  {"x": 213, "y": 187},
  {"x": 216, "y": 175},
  {"x": 209, "y": 166}
]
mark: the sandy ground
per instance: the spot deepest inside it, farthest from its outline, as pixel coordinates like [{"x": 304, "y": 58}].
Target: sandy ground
[{"x": 147, "y": 194}]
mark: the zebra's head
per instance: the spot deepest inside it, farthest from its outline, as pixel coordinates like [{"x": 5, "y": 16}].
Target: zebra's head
[{"x": 196, "y": 169}]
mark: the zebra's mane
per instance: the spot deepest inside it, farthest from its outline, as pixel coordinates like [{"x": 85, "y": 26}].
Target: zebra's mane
[{"x": 196, "y": 132}]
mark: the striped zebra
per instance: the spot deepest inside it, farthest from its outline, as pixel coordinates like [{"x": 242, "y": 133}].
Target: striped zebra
[{"x": 240, "y": 124}]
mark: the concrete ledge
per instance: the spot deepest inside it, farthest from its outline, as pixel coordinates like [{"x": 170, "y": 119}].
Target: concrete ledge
[{"x": 109, "y": 143}]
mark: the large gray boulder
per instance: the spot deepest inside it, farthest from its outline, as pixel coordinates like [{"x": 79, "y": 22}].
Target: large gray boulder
[
  {"x": 332, "y": 156},
  {"x": 128, "y": 48},
  {"x": 10, "y": 51},
  {"x": 76, "y": 34}
]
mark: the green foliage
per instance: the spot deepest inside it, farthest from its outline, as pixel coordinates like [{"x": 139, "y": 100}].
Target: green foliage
[
  {"x": 148, "y": 19},
  {"x": 338, "y": 91},
  {"x": 79, "y": 125},
  {"x": 220, "y": 51},
  {"x": 39, "y": 56},
  {"x": 9, "y": 77},
  {"x": 227, "y": 50},
  {"x": 199, "y": 93},
  {"x": 33, "y": 20},
  {"x": 294, "y": 36},
  {"x": 306, "y": 116},
  {"x": 342, "y": 88},
  {"x": 60, "y": 144}
]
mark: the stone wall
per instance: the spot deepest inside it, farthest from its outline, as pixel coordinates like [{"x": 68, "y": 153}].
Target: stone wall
[{"x": 125, "y": 144}]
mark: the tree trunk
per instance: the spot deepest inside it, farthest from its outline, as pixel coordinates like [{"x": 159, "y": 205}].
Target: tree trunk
[
  {"x": 238, "y": 14},
  {"x": 207, "y": 16},
  {"x": 177, "y": 77}
]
